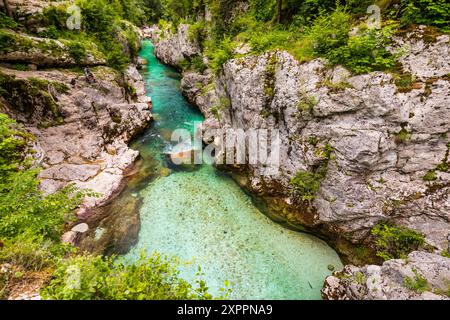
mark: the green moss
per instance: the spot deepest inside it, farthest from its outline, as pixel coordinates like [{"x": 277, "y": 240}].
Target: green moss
[
  {"x": 25, "y": 95},
  {"x": 336, "y": 87},
  {"x": 402, "y": 136},
  {"x": 313, "y": 140},
  {"x": 77, "y": 51},
  {"x": 404, "y": 82},
  {"x": 445, "y": 253},
  {"x": 360, "y": 278}
]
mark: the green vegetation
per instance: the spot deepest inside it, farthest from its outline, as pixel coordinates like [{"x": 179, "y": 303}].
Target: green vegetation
[
  {"x": 153, "y": 277},
  {"x": 430, "y": 176},
  {"x": 307, "y": 184},
  {"x": 429, "y": 12},
  {"x": 223, "y": 104},
  {"x": 7, "y": 22},
  {"x": 31, "y": 225},
  {"x": 402, "y": 136},
  {"x": 307, "y": 103},
  {"x": 395, "y": 242},
  {"x": 104, "y": 30},
  {"x": 27, "y": 95},
  {"x": 307, "y": 29},
  {"x": 419, "y": 284}
]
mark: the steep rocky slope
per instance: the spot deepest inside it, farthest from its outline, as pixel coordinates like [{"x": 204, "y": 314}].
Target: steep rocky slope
[
  {"x": 385, "y": 147},
  {"x": 82, "y": 113},
  {"x": 421, "y": 276}
]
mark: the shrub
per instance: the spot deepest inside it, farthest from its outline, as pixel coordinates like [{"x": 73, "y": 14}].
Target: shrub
[
  {"x": 395, "y": 242},
  {"x": 365, "y": 52},
  {"x": 428, "y": 12},
  {"x": 99, "y": 278},
  {"x": 330, "y": 31},
  {"x": 32, "y": 252},
  {"x": 31, "y": 223},
  {"x": 7, "y": 41},
  {"x": 77, "y": 51},
  {"x": 307, "y": 184},
  {"x": 7, "y": 22}
]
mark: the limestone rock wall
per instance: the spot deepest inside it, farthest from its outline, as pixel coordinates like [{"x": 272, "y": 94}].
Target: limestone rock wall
[{"x": 384, "y": 139}]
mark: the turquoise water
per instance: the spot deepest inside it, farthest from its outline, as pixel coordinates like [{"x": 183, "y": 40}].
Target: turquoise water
[{"x": 203, "y": 217}]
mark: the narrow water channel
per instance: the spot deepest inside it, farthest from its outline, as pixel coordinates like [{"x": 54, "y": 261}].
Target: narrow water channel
[{"x": 203, "y": 217}]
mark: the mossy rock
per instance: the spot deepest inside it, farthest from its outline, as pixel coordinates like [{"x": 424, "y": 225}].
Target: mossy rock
[{"x": 33, "y": 98}]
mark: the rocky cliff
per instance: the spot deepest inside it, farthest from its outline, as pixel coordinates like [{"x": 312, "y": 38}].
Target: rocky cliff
[
  {"x": 378, "y": 148},
  {"x": 82, "y": 112}
]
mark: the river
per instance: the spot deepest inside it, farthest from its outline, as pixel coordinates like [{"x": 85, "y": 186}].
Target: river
[{"x": 204, "y": 218}]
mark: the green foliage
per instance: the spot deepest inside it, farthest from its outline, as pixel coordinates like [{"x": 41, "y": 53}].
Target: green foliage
[
  {"x": 77, "y": 51},
  {"x": 7, "y": 41},
  {"x": 103, "y": 29},
  {"x": 219, "y": 54},
  {"x": 223, "y": 104},
  {"x": 430, "y": 176},
  {"x": 428, "y": 12},
  {"x": 307, "y": 103},
  {"x": 402, "y": 136},
  {"x": 419, "y": 284},
  {"x": 395, "y": 242},
  {"x": 365, "y": 52},
  {"x": 7, "y": 22},
  {"x": 445, "y": 253},
  {"x": 100, "y": 278},
  {"x": 13, "y": 143},
  {"x": 330, "y": 31},
  {"x": 32, "y": 252},
  {"x": 31, "y": 223},
  {"x": 197, "y": 32}
]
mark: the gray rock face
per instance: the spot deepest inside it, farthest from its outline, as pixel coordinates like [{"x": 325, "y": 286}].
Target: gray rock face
[
  {"x": 174, "y": 48},
  {"x": 88, "y": 146},
  {"x": 422, "y": 276},
  {"x": 45, "y": 52},
  {"x": 384, "y": 140}
]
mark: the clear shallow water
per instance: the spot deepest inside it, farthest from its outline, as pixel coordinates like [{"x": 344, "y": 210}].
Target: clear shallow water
[{"x": 203, "y": 217}]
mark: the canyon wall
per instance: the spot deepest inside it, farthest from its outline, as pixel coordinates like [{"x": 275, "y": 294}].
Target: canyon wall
[{"x": 380, "y": 150}]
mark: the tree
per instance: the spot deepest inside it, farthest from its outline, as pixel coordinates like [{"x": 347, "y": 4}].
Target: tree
[{"x": 7, "y": 8}]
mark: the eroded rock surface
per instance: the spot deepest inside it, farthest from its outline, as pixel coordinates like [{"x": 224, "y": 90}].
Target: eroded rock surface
[
  {"x": 422, "y": 276},
  {"x": 385, "y": 148},
  {"x": 83, "y": 140}
]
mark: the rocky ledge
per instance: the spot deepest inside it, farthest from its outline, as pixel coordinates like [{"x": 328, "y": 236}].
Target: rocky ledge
[
  {"x": 422, "y": 276},
  {"x": 379, "y": 148},
  {"x": 82, "y": 123}
]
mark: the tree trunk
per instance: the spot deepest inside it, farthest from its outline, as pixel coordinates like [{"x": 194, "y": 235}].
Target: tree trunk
[
  {"x": 7, "y": 7},
  {"x": 279, "y": 9}
]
